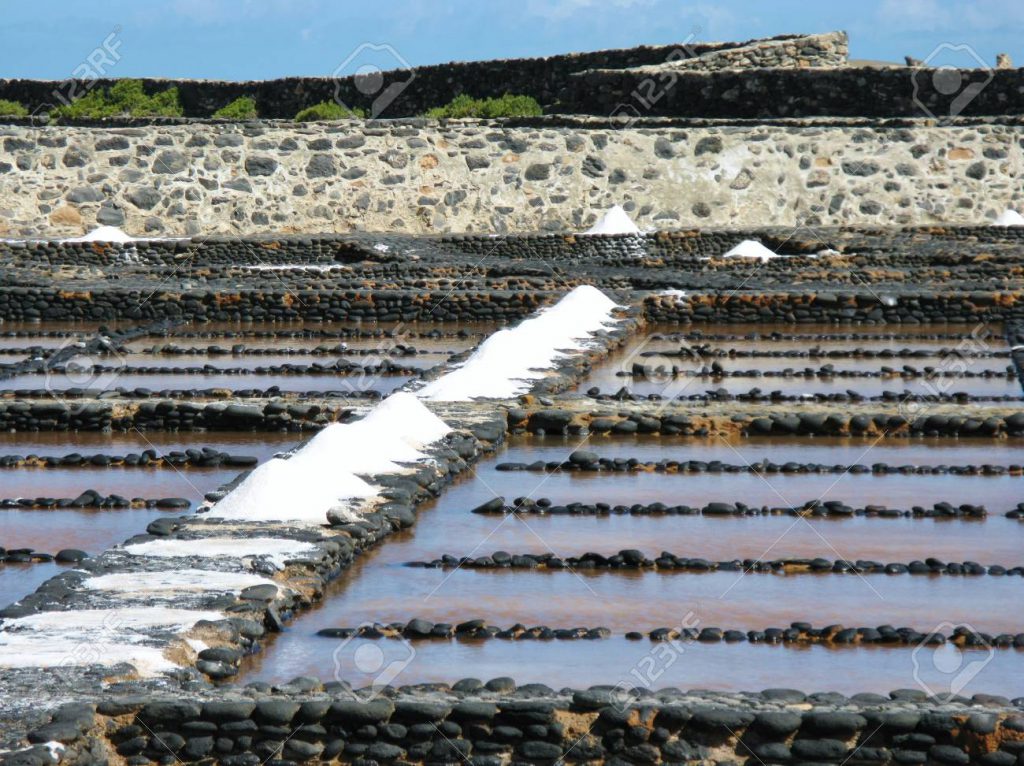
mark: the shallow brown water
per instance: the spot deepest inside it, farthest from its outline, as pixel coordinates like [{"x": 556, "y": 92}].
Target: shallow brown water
[
  {"x": 146, "y": 483},
  {"x": 384, "y": 384},
  {"x": 252, "y": 362},
  {"x": 998, "y": 494},
  {"x": 647, "y": 349},
  {"x": 90, "y": 530},
  {"x": 608, "y": 382},
  {"x": 576, "y": 664},
  {"x": 262, "y": 445},
  {"x": 380, "y": 588},
  {"x": 994, "y": 330},
  {"x": 379, "y": 345},
  {"x": 780, "y": 449}
]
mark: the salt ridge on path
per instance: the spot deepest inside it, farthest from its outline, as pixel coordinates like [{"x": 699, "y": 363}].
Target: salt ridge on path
[
  {"x": 507, "y": 362},
  {"x": 95, "y": 636},
  {"x": 327, "y": 472}
]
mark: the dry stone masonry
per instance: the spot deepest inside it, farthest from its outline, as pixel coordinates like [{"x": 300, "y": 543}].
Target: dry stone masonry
[{"x": 551, "y": 175}]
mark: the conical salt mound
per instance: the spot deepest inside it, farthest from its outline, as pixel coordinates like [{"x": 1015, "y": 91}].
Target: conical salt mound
[
  {"x": 749, "y": 248},
  {"x": 615, "y": 221},
  {"x": 104, "y": 234},
  {"x": 1009, "y": 218}
]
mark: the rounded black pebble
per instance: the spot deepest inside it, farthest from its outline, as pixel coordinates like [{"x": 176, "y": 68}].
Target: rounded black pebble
[{"x": 70, "y": 556}]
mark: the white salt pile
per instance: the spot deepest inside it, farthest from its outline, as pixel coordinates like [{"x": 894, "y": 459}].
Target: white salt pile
[
  {"x": 750, "y": 248},
  {"x": 94, "y": 636},
  {"x": 174, "y": 581},
  {"x": 277, "y": 550},
  {"x": 1009, "y": 218},
  {"x": 325, "y": 474},
  {"x": 615, "y": 221},
  {"x": 104, "y": 234},
  {"x": 71, "y": 648},
  {"x": 505, "y": 364}
]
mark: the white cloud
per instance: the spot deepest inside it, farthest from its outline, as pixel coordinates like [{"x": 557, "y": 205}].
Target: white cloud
[
  {"x": 563, "y": 9},
  {"x": 219, "y": 11},
  {"x": 914, "y": 15},
  {"x": 950, "y": 17}
]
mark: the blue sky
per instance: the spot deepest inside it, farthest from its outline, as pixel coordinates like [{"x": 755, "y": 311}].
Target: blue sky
[{"x": 261, "y": 39}]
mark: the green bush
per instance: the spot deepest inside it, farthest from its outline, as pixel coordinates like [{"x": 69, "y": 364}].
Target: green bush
[
  {"x": 328, "y": 110},
  {"x": 126, "y": 98},
  {"x": 242, "y": 108},
  {"x": 12, "y": 109},
  {"x": 506, "y": 106}
]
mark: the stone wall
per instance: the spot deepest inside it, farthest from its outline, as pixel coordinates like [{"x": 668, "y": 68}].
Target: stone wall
[
  {"x": 826, "y": 51},
  {"x": 799, "y": 92},
  {"x": 479, "y": 176},
  {"x": 412, "y": 90},
  {"x": 500, "y": 723}
]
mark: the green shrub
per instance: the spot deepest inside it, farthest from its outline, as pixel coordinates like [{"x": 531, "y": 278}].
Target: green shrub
[
  {"x": 507, "y": 106},
  {"x": 242, "y": 108},
  {"x": 126, "y": 98},
  {"x": 328, "y": 110},
  {"x": 12, "y": 109}
]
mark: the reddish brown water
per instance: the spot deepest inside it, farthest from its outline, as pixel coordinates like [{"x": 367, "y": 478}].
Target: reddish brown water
[
  {"x": 765, "y": 364},
  {"x": 90, "y": 530},
  {"x": 576, "y": 664},
  {"x": 648, "y": 348},
  {"x": 146, "y": 483},
  {"x": 992, "y": 330},
  {"x": 251, "y": 362},
  {"x": 409, "y": 329},
  {"x": 895, "y": 491},
  {"x": 644, "y": 601},
  {"x": 262, "y": 445},
  {"x": 380, "y": 588},
  {"x": 608, "y": 382},
  {"x": 780, "y": 449},
  {"x": 106, "y": 381},
  {"x": 380, "y": 346}
]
